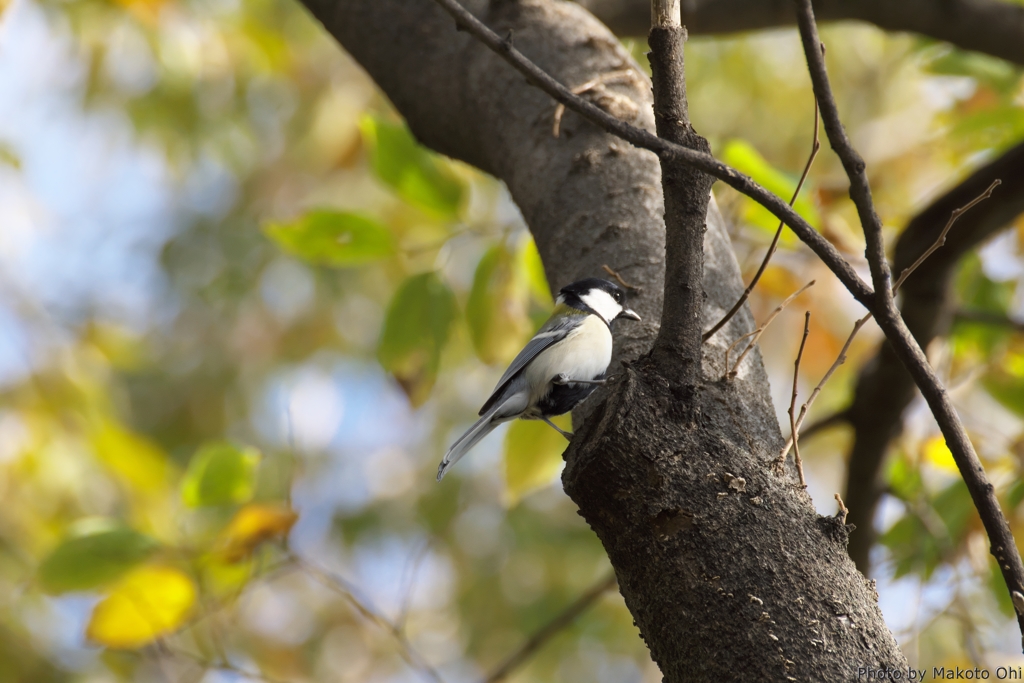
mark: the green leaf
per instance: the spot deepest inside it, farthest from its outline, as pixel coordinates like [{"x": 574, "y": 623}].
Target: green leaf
[
  {"x": 745, "y": 158},
  {"x": 956, "y": 508},
  {"x": 93, "y": 558},
  {"x": 417, "y": 176},
  {"x": 220, "y": 473},
  {"x": 533, "y": 455},
  {"x": 1014, "y": 495},
  {"x": 1007, "y": 388},
  {"x": 904, "y": 478},
  {"x": 497, "y": 307},
  {"x": 333, "y": 238},
  {"x": 997, "y": 584},
  {"x": 913, "y": 548},
  {"x": 533, "y": 272},
  {"x": 416, "y": 329},
  {"x": 9, "y": 157},
  {"x": 995, "y": 73},
  {"x": 975, "y": 342}
]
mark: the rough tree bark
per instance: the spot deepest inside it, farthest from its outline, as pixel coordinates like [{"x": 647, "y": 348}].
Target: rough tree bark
[{"x": 725, "y": 566}]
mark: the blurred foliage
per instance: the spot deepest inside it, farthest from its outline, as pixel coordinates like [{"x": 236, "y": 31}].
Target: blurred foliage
[{"x": 233, "y": 471}]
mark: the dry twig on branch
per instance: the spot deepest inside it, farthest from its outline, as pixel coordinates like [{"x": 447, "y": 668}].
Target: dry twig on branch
[
  {"x": 756, "y": 334},
  {"x": 792, "y": 401},
  {"x": 815, "y": 146}
]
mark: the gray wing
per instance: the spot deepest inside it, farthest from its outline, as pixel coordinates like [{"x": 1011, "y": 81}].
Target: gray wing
[{"x": 551, "y": 333}]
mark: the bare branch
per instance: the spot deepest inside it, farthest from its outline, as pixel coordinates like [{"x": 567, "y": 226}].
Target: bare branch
[
  {"x": 792, "y": 401},
  {"x": 614, "y": 274},
  {"x": 853, "y": 164},
  {"x": 815, "y": 146},
  {"x": 546, "y": 632},
  {"x": 840, "y": 359},
  {"x": 941, "y": 239},
  {"x": 841, "y": 514}
]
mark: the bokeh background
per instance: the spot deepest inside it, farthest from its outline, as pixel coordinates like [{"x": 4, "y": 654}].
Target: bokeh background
[{"x": 242, "y": 314}]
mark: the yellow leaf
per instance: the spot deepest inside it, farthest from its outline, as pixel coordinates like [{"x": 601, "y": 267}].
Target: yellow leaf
[
  {"x": 533, "y": 455},
  {"x": 252, "y": 525},
  {"x": 146, "y": 604},
  {"x": 937, "y": 453},
  {"x": 134, "y": 458}
]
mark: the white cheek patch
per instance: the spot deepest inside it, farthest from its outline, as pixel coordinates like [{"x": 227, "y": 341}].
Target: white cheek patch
[{"x": 602, "y": 303}]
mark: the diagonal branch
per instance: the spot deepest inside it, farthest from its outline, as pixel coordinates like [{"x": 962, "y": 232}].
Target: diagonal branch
[
  {"x": 853, "y": 164},
  {"x": 884, "y": 389},
  {"x": 1003, "y": 545}
]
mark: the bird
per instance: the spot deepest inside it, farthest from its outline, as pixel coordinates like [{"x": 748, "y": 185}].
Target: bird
[{"x": 563, "y": 363}]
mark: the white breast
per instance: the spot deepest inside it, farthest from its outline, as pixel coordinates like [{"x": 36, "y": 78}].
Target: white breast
[{"x": 584, "y": 354}]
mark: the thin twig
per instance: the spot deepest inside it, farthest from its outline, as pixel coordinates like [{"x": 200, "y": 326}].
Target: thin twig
[
  {"x": 622, "y": 282},
  {"x": 941, "y": 240},
  {"x": 560, "y": 621},
  {"x": 841, "y": 514},
  {"x": 604, "y": 79},
  {"x": 756, "y": 334},
  {"x": 792, "y": 400},
  {"x": 815, "y": 146},
  {"x": 345, "y": 588},
  {"x": 646, "y": 140},
  {"x": 840, "y": 359}
]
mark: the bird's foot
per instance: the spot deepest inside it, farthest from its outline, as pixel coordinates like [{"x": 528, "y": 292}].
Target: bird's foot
[
  {"x": 562, "y": 379},
  {"x": 567, "y": 435}
]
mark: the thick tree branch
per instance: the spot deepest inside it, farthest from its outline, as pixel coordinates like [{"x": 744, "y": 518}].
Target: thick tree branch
[
  {"x": 686, "y": 192},
  {"x": 993, "y": 27},
  {"x": 1003, "y": 546},
  {"x": 884, "y": 389}
]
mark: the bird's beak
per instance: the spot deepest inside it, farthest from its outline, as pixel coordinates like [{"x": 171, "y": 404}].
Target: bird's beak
[{"x": 626, "y": 313}]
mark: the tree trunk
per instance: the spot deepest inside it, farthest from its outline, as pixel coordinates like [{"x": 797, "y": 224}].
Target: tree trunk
[{"x": 726, "y": 568}]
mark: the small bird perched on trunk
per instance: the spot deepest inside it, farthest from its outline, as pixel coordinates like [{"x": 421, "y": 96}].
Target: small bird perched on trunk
[{"x": 558, "y": 368}]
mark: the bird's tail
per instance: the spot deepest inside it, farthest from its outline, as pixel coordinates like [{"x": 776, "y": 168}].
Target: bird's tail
[{"x": 481, "y": 428}]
